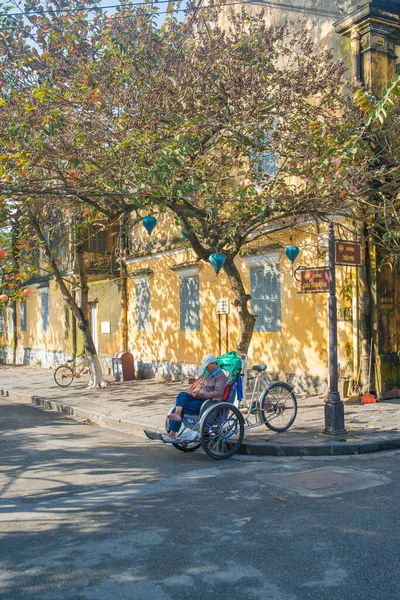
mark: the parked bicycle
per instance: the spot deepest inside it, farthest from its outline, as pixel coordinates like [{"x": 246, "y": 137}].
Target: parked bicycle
[
  {"x": 65, "y": 374},
  {"x": 219, "y": 428}
]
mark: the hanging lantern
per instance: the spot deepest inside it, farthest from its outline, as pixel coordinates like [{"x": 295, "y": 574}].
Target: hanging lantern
[
  {"x": 149, "y": 223},
  {"x": 26, "y": 292},
  {"x": 217, "y": 261},
  {"x": 3, "y": 253},
  {"x": 292, "y": 253},
  {"x": 3, "y": 297},
  {"x": 185, "y": 237}
]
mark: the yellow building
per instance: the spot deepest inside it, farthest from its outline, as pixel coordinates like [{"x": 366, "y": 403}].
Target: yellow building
[{"x": 165, "y": 311}]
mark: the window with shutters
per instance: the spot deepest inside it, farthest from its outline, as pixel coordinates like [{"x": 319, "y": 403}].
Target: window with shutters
[
  {"x": 265, "y": 163},
  {"x": 22, "y": 316},
  {"x": 143, "y": 305},
  {"x": 265, "y": 297},
  {"x": 189, "y": 296},
  {"x": 99, "y": 241},
  {"x": 44, "y": 297}
]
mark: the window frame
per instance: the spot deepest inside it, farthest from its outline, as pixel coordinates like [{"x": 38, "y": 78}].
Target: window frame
[
  {"x": 143, "y": 323},
  {"x": 45, "y": 315},
  {"x": 23, "y": 321},
  {"x": 186, "y": 308},
  {"x": 269, "y": 299}
]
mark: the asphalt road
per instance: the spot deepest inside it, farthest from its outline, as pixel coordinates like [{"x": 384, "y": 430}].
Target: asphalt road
[{"x": 90, "y": 514}]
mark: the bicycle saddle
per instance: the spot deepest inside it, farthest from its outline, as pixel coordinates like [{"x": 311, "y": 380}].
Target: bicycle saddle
[{"x": 260, "y": 367}]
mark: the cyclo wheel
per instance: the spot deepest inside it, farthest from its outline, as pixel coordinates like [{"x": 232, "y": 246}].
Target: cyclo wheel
[
  {"x": 222, "y": 431},
  {"x": 278, "y": 404},
  {"x": 64, "y": 375},
  {"x": 185, "y": 446}
]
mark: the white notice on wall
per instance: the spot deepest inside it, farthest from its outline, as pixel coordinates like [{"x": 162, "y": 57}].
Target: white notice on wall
[
  {"x": 223, "y": 306},
  {"x": 105, "y": 327}
]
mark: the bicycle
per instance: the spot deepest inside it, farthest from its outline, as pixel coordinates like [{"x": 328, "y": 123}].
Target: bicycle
[
  {"x": 219, "y": 428},
  {"x": 270, "y": 401},
  {"x": 65, "y": 374}
]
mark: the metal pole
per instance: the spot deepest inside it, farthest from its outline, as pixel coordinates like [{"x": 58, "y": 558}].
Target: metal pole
[
  {"x": 227, "y": 333},
  {"x": 334, "y": 408},
  {"x": 219, "y": 334}
]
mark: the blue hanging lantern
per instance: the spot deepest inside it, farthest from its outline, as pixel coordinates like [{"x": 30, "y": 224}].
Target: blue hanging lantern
[
  {"x": 185, "y": 237},
  {"x": 292, "y": 253},
  {"x": 217, "y": 261},
  {"x": 149, "y": 223}
]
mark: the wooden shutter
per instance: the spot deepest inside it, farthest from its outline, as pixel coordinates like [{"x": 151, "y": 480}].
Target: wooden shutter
[
  {"x": 143, "y": 305},
  {"x": 189, "y": 303},
  {"x": 45, "y": 310},
  {"x": 22, "y": 316},
  {"x": 265, "y": 297}
]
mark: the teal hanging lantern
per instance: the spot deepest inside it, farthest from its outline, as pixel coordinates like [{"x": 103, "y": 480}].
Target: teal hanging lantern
[
  {"x": 292, "y": 253},
  {"x": 185, "y": 237},
  {"x": 149, "y": 223},
  {"x": 217, "y": 261}
]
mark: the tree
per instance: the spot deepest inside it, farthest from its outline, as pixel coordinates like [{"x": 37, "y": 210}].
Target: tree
[
  {"x": 120, "y": 115},
  {"x": 31, "y": 229},
  {"x": 382, "y": 137}
]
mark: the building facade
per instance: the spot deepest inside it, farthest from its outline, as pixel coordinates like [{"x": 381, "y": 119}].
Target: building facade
[{"x": 168, "y": 309}]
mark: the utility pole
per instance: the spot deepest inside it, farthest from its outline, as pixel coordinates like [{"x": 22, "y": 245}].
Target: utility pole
[{"x": 334, "y": 408}]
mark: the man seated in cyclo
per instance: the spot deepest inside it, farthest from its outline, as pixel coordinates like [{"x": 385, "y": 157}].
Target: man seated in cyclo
[{"x": 189, "y": 403}]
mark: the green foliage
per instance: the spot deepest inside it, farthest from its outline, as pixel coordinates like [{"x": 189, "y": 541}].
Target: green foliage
[{"x": 379, "y": 110}]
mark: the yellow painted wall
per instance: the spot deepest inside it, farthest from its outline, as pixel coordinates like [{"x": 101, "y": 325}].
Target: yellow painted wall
[
  {"x": 301, "y": 347},
  {"x": 56, "y": 338}
]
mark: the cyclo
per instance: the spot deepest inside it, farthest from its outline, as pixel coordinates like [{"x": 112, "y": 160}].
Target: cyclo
[{"x": 220, "y": 426}]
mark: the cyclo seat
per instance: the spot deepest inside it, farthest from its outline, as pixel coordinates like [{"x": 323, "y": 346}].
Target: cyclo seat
[
  {"x": 232, "y": 366},
  {"x": 261, "y": 367}
]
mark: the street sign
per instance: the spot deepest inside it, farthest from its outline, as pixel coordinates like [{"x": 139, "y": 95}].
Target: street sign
[
  {"x": 223, "y": 306},
  {"x": 347, "y": 253},
  {"x": 314, "y": 280}
]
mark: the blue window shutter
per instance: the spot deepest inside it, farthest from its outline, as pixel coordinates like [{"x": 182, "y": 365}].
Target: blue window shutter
[
  {"x": 45, "y": 311},
  {"x": 23, "y": 316},
  {"x": 265, "y": 297},
  {"x": 189, "y": 295},
  {"x": 143, "y": 305},
  {"x": 257, "y": 297},
  {"x": 1, "y": 321},
  {"x": 268, "y": 162}
]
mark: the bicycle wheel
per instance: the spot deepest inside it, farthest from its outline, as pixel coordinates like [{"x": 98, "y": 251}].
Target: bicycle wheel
[
  {"x": 222, "y": 431},
  {"x": 64, "y": 375},
  {"x": 185, "y": 446},
  {"x": 278, "y": 406}
]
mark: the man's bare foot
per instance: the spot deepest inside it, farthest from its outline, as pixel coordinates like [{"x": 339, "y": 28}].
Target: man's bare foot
[{"x": 174, "y": 417}]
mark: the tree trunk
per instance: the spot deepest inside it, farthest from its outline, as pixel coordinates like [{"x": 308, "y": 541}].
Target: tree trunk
[
  {"x": 365, "y": 308},
  {"x": 96, "y": 377},
  {"x": 16, "y": 267},
  {"x": 15, "y": 331},
  {"x": 241, "y": 299}
]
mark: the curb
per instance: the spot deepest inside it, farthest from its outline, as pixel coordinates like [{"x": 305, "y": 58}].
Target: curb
[
  {"x": 126, "y": 426},
  {"x": 334, "y": 448}
]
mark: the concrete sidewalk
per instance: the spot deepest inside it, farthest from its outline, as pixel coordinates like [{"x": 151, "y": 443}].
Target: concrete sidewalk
[{"x": 135, "y": 405}]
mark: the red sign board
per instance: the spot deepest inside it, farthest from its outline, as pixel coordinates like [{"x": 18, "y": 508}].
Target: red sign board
[
  {"x": 347, "y": 253},
  {"x": 314, "y": 280}
]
